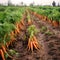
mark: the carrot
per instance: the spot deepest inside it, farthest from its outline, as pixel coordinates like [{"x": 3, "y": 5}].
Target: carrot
[
  {"x": 29, "y": 22},
  {"x": 15, "y": 32},
  {"x": 4, "y": 49},
  {"x": 17, "y": 25},
  {"x": 49, "y": 21},
  {"x": 2, "y": 54},
  {"x": 22, "y": 22},
  {"x": 21, "y": 26},
  {"x": 31, "y": 46},
  {"x": 33, "y": 43},
  {"x": 35, "y": 46},
  {"x": 12, "y": 33},
  {"x": 34, "y": 38},
  {"x": 17, "y": 28},
  {"x": 36, "y": 42},
  {"x": 7, "y": 44},
  {"x": 12, "y": 38}
]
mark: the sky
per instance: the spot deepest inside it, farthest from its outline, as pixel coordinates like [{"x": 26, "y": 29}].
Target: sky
[{"x": 37, "y": 2}]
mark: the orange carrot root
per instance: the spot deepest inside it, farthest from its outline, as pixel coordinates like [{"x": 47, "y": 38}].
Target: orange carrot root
[
  {"x": 21, "y": 27},
  {"x": 12, "y": 33},
  {"x": 4, "y": 50},
  {"x": 2, "y": 54},
  {"x": 17, "y": 31},
  {"x": 29, "y": 22},
  {"x": 22, "y": 22},
  {"x": 32, "y": 43},
  {"x": 31, "y": 46}
]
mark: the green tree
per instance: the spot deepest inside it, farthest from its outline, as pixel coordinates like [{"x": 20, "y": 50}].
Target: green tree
[
  {"x": 58, "y": 4},
  {"x": 9, "y": 2},
  {"x": 54, "y": 3}
]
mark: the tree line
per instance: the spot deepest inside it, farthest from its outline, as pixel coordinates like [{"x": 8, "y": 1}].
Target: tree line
[{"x": 22, "y": 4}]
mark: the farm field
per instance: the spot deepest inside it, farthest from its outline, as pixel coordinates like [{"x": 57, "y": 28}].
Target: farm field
[{"x": 29, "y": 33}]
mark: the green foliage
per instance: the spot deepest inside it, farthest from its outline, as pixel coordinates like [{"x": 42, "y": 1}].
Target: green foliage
[
  {"x": 6, "y": 55},
  {"x": 8, "y": 17},
  {"x": 2, "y": 8},
  {"x": 12, "y": 52},
  {"x": 43, "y": 29},
  {"x": 48, "y": 32},
  {"x": 32, "y": 30},
  {"x": 5, "y": 29},
  {"x": 49, "y": 11}
]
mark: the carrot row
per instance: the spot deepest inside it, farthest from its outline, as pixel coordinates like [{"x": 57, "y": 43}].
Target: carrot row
[
  {"x": 32, "y": 41},
  {"x": 44, "y": 18},
  {"x": 12, "y": 35}
]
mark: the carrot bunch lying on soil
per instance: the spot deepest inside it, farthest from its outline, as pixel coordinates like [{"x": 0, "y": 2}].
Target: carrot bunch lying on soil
[
  {"x": 3, "y": 51},
  {"x": 55, "y": 23},
  {"x": 19, "y": 26},
  {"x": 29, "y": 22},
  {"x": 12, "y": 38},
  {"x": 4, "y": 46},
  {"x": 12, "y": 35},
  {"x": 33, "y": 44},
  {"x": 16, "y": 31},
  {"x": 22, "y": 21},
  {"x": 32, "y": 41},
  {"x": 28, "y": 18}
]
